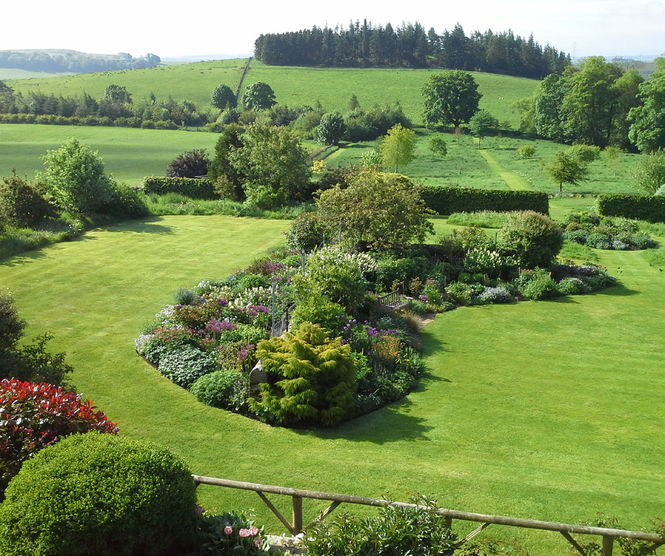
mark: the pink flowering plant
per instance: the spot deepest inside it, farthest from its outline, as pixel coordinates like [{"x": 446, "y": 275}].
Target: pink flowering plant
[{"x": 231, "y": 533}]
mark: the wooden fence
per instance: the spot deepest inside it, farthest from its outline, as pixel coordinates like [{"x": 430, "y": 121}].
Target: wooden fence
[{"x": 295, "y": 526}]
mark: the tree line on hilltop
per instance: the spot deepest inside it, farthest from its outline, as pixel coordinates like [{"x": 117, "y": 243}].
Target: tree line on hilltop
[
  {"x": 409, "y": 45},
  {"x": 72, "y": 61}
]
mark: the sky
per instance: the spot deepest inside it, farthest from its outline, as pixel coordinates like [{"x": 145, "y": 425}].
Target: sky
[{"x": 171, "y": 28}]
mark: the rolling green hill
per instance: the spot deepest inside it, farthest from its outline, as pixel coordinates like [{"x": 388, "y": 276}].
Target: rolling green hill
[{"x": 292, "y": 85}]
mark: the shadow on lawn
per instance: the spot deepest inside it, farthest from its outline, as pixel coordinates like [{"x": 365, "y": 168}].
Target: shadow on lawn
[
  {"x": 387, "y": 424},
  {"x": 619, "y": 290},
  {"x": 143, "y": 226}
]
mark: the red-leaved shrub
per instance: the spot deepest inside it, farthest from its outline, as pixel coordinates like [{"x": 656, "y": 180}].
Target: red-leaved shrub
[{"x": 33, "y": 416}]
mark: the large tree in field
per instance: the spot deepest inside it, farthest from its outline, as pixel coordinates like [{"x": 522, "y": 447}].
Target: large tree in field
[
  {"x": 450, "y": 97},
  {"x": 397, "y": 146},
  {"x": 567, "y": 167},
  {"x": 378, "y": 210},
  {"x": 223, "y": 97},
  {"x": 647, "y": 130},
  {"x": 259, "y": 96}
]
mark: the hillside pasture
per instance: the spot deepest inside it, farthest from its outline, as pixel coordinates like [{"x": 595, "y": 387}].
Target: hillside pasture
[
  {"x": 292, "y": 85},
  {"x": 538, "y": 409},
  {"x": 194, "y": 82}
]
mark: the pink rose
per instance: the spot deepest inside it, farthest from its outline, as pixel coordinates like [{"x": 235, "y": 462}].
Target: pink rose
[{"x": 228, "y": 530}]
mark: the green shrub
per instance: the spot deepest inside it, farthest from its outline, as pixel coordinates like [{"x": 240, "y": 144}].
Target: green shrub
[
  {"x": 308, "y": 232},
  {"x": 535, "y": 238},
  {"x": 393, "y": 271},
  {"x": 186, "y": 365},
  {"x": 75, "y": 177},
  {"x": 195, "y": 188},
  {"x": 320, "y": 310},
  {"x": 99, "y": 494},
  {"x": 572, "y": 286},
  {"x": 447, "y": 200},
  {"x": 124, "y": 201},
  {"x": 640, "y": 207},
  {"x": 311, "y": 379},
  {"x": 459, "y": 293},
  {"x": 263, "y": 196},
  {"x": 526, "y": 151},
  {"x": 495, "y": 295},
  {"x": 537, "y": 285},
  {"x": 227, "y": 389},
  {"x": 336, "y": 274},
  {"x": 21, "y": 205},
  {"x": 396, "y": 530}
]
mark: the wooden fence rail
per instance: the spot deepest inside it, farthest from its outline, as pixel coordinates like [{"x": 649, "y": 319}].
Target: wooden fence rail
[{"x": 295, "y": 526}]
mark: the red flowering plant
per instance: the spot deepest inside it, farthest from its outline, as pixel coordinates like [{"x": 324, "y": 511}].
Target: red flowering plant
[{"x": 33, "y": 416}]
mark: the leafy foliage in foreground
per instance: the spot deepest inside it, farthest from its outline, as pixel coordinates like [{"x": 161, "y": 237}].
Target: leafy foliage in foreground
[
  {"x": 34, "y": 416},
  {"x": 99, "y": 494},
  {"x": 396, "y": 530}
]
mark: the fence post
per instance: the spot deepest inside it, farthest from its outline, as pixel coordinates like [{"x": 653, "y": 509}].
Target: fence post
[
  {"x": 607, "y": 545},
  {"x": 297, "y": 515}
]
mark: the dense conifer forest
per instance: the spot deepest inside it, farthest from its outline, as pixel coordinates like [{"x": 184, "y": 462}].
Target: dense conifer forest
[{"x": 409, "y": 45}]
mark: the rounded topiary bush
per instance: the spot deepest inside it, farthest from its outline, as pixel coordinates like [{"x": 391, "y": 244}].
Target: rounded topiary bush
[
  {"x": 228, "y": 389},
  {"x": 99, "y": 494},
  {"x": 535, "y": 238}
]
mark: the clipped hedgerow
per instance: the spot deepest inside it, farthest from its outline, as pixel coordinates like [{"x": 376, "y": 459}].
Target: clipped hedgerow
[
  {"x": 196, "y": 188},
  {"x": 34, "y": 416},
  {"x": 641, "y": 207},
  {"x": 99, "y": 494},
  {"x": 447, "y": 200}
]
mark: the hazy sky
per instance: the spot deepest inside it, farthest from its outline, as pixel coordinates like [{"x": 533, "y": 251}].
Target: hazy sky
[{"x": 168, "y": 28}]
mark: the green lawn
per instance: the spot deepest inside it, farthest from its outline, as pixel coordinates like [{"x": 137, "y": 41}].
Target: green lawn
[
  {"x": 129, "y": 154},
  {"x": 546, "y": 410}
]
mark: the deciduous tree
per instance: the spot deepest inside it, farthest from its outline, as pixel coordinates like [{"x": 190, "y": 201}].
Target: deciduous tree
[
  {"x": 450, "y": 98},
  {"x": 567, "y": 168},
  {"x": 397, "y": 147},
  {"x": 259, "y": 96},
  {"x": 223, "y": 97},
  {"x": 331, "y": 129}
]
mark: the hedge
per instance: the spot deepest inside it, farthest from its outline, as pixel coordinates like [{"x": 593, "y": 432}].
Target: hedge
[
  {"x": 641, "y": 207},
  {"x": 196, "y": 188},
  {"x": 447, "y": 200},
  {"x": 54, "y": 119}
]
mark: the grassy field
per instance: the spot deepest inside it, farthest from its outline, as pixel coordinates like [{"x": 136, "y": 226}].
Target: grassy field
[
  {"x": 497, "y": 165},
  {"x": 545, "y": 410},
  {"x": 129, "y": 154},
  {"x": 194, "y": 82},
  {"x": 292, "y": 85}
]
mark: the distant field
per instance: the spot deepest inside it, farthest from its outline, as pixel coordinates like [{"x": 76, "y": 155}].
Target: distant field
[
  {"x": 14, "y": 73},
  {"x": 129, "y": 154},
  {"x": 292, "y": 85},
  {"x": 193, "y": 82}
]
